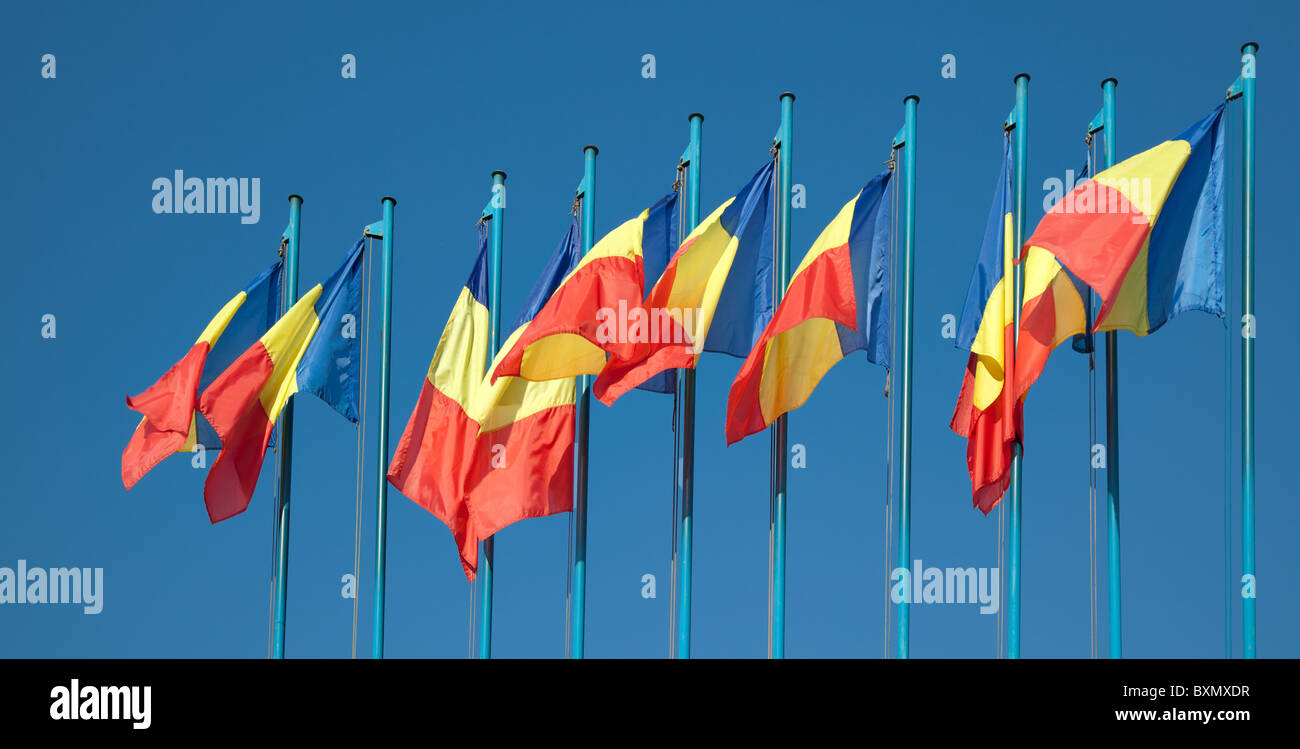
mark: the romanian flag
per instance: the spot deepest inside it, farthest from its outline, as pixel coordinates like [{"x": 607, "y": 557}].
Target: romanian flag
[
  {"x": 481, "y": 455},
  {"x": 837, "y": 303},
  {"x": 715, "y": 295},
  {"x": 987, "y": 412},
  {"x": 314, "y": 348},
  {"x": 1147, "y": 235},
  {"x": 575, "y": 328},
  {"x": 169, "y": 406}
]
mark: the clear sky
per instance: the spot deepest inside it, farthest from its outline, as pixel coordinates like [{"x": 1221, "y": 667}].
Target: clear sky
[{"x": 443, "y": 95}]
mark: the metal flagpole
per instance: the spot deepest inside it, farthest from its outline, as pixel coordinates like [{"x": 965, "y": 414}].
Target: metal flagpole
[
  {"x": 284, "y": 453},
  {"x": 906, "y": 139},
  {"x": 485, "y": 571},
  {"x": 383, "y": 230},
  {"x": 779, "y": 428},
  {"x": 1020, "y": 119},
  {"x": 686, "y": 397},
  {"x": 1248, "y": 52},
  {"x": 587, "y": 193}
]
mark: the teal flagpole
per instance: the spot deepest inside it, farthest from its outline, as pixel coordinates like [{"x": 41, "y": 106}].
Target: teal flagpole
[
  {"x": 1113, "y": 589},
  {"x": 382, "y": 230},
  {"x": 779, "y": 428},
  {"x": 1020, "y": 121},
  {"x": 1248, "y": 52},
  {"x": 587, "y": 194},
  {"x": 685, "y": 469},
  {"x": 284, "y": 453},
  {"x": 906, "y": 140},
  {"x": 485, "y": 568}
]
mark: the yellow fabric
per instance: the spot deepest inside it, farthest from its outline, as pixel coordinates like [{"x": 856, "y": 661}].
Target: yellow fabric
[
  {"x": 1130, "y": 309},
  {"x": 701, "y": 273},
  {"x": 286, "y": 342},
  {"x": 1146, "y": 179},
  {"x": 834, "y": 235},
  {"x": 624, "y": 241},
  {"x": 513, "y": 398},
  {"x": 989, "y": 345},
  {"x": 802, "y": 355},
  {"x": 561, "y": 355},
  {"x": 458, "y": 362},
  {"x": 1043, "y": 275}
]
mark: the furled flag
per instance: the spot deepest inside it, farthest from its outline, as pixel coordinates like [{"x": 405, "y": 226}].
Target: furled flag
[
  {"x": 837, "y": 303},
  {"x": 567, "y": 336},
  {"x": 314, "y": 348},
  {"x": 1147, "y": 235},
  {"x": 170, "y": 406},
  {"x": 481, "y": 455},
  {"x": 715, "y": 294},
  {"x": 987, "y": 414}
]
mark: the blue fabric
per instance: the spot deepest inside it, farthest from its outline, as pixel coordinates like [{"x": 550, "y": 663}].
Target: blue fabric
[
  {"x": 1186, "y": 252},
  {"x": 330, "y": 368},
  {"x": 745, "y": 305},
  {"x": 260, "y": 310},
  {"x": 658, "y": 244},
  {"x": 988, "y": 266},
  {"x": 478, "y": 277},
  {"x": 869, "y": 236},
  {"x": 567, "y": 255}
]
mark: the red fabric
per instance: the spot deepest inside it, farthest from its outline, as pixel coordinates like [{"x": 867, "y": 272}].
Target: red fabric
[
  {"x": 232, "y": 406},
  {"x": 823, "y": 290},
  {"x": 430, "y": 466},
  {"x": 1098, "y": 246},
  {"x": 168, "y": 409},
  {"x": 600, "y": 284},
  {"x": 647, "y": 359},
  {"x": 990, "y": 434}
]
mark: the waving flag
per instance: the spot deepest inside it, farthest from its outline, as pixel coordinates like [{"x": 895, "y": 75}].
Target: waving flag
[
  {"x": 1147, "y": 235},
  {"x": 837, "y": 303},
  {"x": 169, "y": 406},
  {"x": 480, "y": 455},
  {"x": 987, "y": 412},
  {"x": 566, "y": 337},
  {"x": 715, "y": 295},
  {"x": 313, "y": 348}
]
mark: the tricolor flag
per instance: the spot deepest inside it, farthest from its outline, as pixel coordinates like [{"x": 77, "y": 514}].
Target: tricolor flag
[
  {"x": 481, "y": 455},
  {"x": 569, "y": 336},
  {"x": 987, "y": 412},
  {"x": 715, "y": 295},
  {"x": 169, "y": 407},
  {"x": 314, "y": 348},
  {"x": 1147, "y": 235},
  {"x": 837, "y": 303}
]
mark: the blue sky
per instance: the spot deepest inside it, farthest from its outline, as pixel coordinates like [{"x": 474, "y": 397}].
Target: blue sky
[{"x": 444, "y": 95}]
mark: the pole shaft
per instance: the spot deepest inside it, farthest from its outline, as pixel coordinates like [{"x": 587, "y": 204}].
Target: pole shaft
[
  {"x": 1248, "y": 351},
  {"x": 686, "y": 397},
  {"x": 486, "y": 566},
  {"x": 285, "y": 453},
  {"x": 1112, "y": 417},
  {"x": 1021, "y": 145},
  {"x": 905, "y": 370},
  {"x": 579, "y": 613},
  {"x": 780, "y": 428},
  {"x": 381, "y": 446}
]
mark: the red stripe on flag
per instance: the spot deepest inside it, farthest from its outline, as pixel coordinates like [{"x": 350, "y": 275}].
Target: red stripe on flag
[
  {"x": 824, "y": 289},
  {"x": 433, "y": 463},
  {"x": 168, "y": 409},
  {"x": 531, "y": 477},
  {"x": 232, "y": 406}
]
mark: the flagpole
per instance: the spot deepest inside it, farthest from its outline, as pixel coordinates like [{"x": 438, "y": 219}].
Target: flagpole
[
  {"x": 905, "y": 366},
  {"x": 1248, "y": 350},
  {"x": 1112, "y": 414},
  {"x": 385, "y": 229},
  {"x": 582, "y": 437},
  {"x": 284, "y": 453},
  {"x": 779, "y": 428},
  {"x": 686, "y": 385},
  {"x": 485, "y": 570},
  {"x": 1020, "y": 118}
]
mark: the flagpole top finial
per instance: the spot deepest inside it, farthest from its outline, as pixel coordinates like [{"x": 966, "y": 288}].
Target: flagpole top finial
[
  {"x": 388, "y": 199},
  {"x": 694, "y": 115},
  {"x": 1250, "y": 44},
  {"x": 502, "y": 173},
  {"x": 1112, "y": 81},
  {"x": 912, "y": 97},
  {"x": 789, "y": 94},
  {"x": 293, "y": 195},
  {"x": 1019, "y": 76},
  {"x": 590, "y": 147}
]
